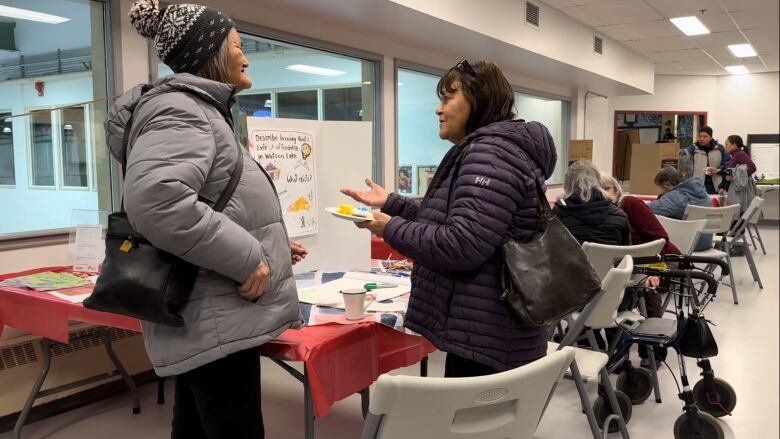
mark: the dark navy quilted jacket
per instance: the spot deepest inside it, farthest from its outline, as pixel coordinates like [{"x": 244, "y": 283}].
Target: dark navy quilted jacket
[{"x": 456, "y": 282}]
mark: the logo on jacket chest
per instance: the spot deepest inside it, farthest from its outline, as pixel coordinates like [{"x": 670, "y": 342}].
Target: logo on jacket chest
[{"x": 482, "y": 181}]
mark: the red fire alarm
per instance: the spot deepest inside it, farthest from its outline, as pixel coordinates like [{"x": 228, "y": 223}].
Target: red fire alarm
[{"x": 39, "y": 87}]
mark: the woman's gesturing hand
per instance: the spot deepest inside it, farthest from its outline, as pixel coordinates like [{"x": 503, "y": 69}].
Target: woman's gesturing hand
[{"x": 375, "y": 197}]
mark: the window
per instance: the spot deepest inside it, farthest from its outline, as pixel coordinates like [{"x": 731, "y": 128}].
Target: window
[
  {"x": 74, "y": 147},
  {"x": 7, "y": 170},
  {"x": 296, "y": 82},
  {"x": 42, "y": 154},
  {"x": 419, "y": 148},
  {"x": 49, "y": 167},
  {"x": 297, "y": 104}
]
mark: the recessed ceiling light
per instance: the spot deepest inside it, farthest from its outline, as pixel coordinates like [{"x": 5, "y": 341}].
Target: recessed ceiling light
[
  {"x": 26, "y": 14},
  {"x": 742, "y": 50},
  {"x": 322, "y": 71},
  {"x": 738, "y": 70},
  {"x": 690, "y": 25}
]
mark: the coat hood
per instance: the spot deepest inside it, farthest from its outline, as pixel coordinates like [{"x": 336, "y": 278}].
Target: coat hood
[
  {"x": 694, "y": 188},
  {"x": 593, "y": 212}
]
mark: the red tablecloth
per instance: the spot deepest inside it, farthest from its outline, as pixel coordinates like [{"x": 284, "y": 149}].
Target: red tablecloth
[{"x": 341, "y": 360}]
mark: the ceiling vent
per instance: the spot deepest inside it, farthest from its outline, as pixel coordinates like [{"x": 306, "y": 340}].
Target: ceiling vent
[
  {"x": 598, "y": 44},
  {"x": 532, "y": 14}
]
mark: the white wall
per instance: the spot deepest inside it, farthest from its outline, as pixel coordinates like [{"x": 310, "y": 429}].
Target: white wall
[{"x": 735, "y": 104}]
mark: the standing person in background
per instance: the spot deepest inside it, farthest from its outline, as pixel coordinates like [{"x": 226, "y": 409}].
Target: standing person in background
[
  {"x": 739, "y": 156},
  {"x": 710, "y": 160}
]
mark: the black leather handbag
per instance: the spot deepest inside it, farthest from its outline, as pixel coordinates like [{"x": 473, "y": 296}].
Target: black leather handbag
[
  {"x": 696, "y": 339},
  {"x": 547, "y": 277},
  {"x": 139, "y": 280}
]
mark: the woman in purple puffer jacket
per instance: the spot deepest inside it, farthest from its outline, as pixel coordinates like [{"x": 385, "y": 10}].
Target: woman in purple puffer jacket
[{"x": 455, "y": 300}]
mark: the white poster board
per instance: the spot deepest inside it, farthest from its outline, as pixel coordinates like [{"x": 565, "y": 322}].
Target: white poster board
[
  {"x": 289, "y": 158},
  {"x": 767, "y": 159},
  {"x": 342, "y": 155}
]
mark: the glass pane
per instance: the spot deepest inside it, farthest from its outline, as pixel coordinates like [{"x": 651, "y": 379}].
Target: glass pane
[
  {"x": 257, "y": 105},
  {"x": 297, "y": 104},
  {"x": 7, "y": 172},
  {"x": 342, "y": 104},
  {"x": 74, "y": 148},
  {"x": 554, "y": 114},
  {"x": 61, "y": 160},
  {"x": 420, "y": 150},
  {"x": 42, "y": 153}
]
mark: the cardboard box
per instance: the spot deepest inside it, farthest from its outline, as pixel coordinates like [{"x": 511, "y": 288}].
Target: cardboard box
[
  {"x": 580, "y": 150},
  {"x": 646, "y": 161},
  {"x": 622, "y": 153}
]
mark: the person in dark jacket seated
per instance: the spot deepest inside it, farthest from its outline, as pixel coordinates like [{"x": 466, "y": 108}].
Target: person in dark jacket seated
[
  {"x": 455, "y": 233},
  {"x": 586, "y": 212},
  {"x": 675, "y": 197}
]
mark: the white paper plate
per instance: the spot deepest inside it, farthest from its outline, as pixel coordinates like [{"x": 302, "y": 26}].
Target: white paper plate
[{"x": 357, "y": 219}]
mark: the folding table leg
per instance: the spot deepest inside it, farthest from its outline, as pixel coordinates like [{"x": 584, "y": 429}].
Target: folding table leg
[
  {"x": 105, "y": 333},
  {"x": 46, "y": 346},
  {"x": 308, "y": 410},
  {"x": 365, "y": 399},
  {"x": 161, "y": 390},
  {"x": 424, "y": 366}
]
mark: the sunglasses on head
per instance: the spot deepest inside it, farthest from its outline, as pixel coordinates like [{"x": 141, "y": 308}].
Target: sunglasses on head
[{"x": 464, "y": 66}]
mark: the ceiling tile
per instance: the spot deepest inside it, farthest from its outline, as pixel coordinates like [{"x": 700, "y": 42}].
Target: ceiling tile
[
  {"x": 624, "y": 11},
  {"x": 613, "y": 32},
  {"x": 697, "y": 64},
  {"x": 558, "y": 4},
  {"x": 686, "y": 55},
  {"x": 581, "y": 15},
  {"x": 667, "y": 68},
  {"x": 719, "y": 39},
  {"x": 757, "y": 18},
  {"x": 677, "y": 8},
  {"x": 739, "y": 5},
  {"x": 771, "y": 59},
  {"x": 587, "y": 2},
  {"x": 718, "y": 22},
  {"x": 650, "y": 29},
  {"x": 663, "y": 44}
]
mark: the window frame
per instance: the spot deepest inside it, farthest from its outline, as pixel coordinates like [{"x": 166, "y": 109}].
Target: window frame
[
  {"x": 87, "y": 147},
  {"x": 31, "y": 139},
  {"x": 566, "y": 111},
  {"x": 9, "y": 112}
]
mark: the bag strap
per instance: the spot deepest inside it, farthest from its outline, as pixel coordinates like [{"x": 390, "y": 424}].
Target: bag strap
[{"x": 226, "y": 194}]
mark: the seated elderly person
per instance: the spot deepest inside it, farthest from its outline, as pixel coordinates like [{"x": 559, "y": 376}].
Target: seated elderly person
[
  {"x": 586, "y": 212},
  {"x": 676, "y": 195}
]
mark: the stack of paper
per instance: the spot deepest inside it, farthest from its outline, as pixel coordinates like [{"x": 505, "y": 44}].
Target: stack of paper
[
  {"x": 329, "y": 293},
  {"x": 47, "y": 281}
]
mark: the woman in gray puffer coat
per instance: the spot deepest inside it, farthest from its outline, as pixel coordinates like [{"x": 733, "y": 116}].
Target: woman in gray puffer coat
[
  {"x": 181, "y": 153},
  {"x": 455, "y": 234}
]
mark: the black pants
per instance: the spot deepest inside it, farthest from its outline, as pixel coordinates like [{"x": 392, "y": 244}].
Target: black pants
[
  {"x": 459, "y": 367},
  {"x": 220, "y": 400},
  {"x": 654, "y": 303}
]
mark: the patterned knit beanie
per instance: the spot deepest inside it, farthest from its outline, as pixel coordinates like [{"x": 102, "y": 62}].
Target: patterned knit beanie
[{"x": 185, "y": 35}]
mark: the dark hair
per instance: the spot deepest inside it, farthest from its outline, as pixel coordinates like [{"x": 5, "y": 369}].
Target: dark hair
[
  {"x": 736, "y": 140},
  {"x": 486, "y": 89},
  {"x": 706, "y": 129},
  {"x": 668, "y": 174},
  {"x": 669, "y": 136}
]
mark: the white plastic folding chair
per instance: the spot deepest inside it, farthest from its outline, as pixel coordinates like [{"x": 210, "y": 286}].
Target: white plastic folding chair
[
  {"x": 684, "y": 234},
  {"x": 591, "y": 364},
  {"x": 503, "y": 405},
  {"x": 602, "y": 257},
  {"x": 719, "y": 220},
  {"x": 753, "y": 222},
  {"x": 739, "y": 230}
]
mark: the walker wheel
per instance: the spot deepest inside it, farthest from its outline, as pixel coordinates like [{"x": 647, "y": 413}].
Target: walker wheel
[
  {"x": 637, "y": 386},
  {"x": 720, "y": 402},
  {"x": 709, "y": 428}
]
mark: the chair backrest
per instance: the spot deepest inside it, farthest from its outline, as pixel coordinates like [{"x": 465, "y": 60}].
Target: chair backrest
[
  {"x": 753, "y": 210},
  {"x": 504, "y": 405},
  {"x": 719, "y": 219},
  {"x": 602, "y": 257},
  {"x": 601, "y": 313},
  {"x": 756, "y": 216},
  {"x": 683, "y": 234}
]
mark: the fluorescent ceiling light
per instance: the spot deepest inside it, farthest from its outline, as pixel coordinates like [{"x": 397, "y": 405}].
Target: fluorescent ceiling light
[
  {"x": 315, "y": 70},
  {"x": 738, "y": 70},
  {"x": 742, "y": 50},
  {"x": 26, "y": 14},
  {"x": 67, "y": 126},
  {"x": 690, "y": 25},
  {"x": 7, "y": 130}
]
